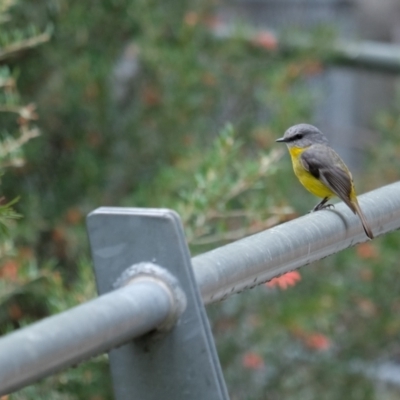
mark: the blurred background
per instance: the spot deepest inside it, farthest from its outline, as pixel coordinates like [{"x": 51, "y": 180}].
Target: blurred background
[{"x": 178, "y": 104}]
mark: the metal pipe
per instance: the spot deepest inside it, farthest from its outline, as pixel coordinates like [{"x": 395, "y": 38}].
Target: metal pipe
[
  {"x": 380, "y": 56},
  {"x": 89, "y": 329},
  {"x": 258, "y": 258},
  {"x": 368, "y": 54}
]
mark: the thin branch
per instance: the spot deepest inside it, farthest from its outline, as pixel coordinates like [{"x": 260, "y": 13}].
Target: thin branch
[
  {"x": 242, "y": 185},
  {"x": 229, "y": 214},
  {"x": 14, "y": 144},
  {"x": 11, "y": 109},
  {"x": 15, "y": 48}
]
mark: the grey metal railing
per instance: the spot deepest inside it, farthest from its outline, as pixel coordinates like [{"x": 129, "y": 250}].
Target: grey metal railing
[
  {"x": 147, "y": 282},
  {"x": 380, "y": 56},
  {"x": 258, "y": 258},
  {"x": 92, "y": 328}
]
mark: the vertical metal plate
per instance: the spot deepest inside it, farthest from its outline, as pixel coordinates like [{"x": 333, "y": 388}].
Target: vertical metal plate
[{"x": 184, "y": 363}]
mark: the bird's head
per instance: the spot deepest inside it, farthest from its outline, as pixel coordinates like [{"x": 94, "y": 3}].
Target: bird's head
[{"x": 303, "y": 135}]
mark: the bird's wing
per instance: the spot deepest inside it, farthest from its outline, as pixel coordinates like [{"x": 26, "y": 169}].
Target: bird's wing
[{"x": 325, "y": 164}]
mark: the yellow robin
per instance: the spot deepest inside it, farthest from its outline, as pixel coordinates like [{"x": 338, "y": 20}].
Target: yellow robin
[{"x": 320, "y": 169}]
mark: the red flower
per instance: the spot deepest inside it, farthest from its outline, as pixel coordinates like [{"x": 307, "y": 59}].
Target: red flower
[
  {"x": 266, "y": 40},
  {"x": 252, "y": 360},
  {"x": 317, "y": 341},
  {"x": 367, "y": 251},
  {"x": 284, "y": 281}
]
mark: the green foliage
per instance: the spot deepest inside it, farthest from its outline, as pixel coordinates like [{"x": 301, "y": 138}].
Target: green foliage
[
  {"x": 6, "y": 214},
  {"x": 215, "y": 193},
  {"x": 12, "y": 40},
  {"x": 191, "y": 126}
]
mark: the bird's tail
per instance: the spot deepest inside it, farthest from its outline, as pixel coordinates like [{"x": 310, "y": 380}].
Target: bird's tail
[{"x": 364, "y": 222}]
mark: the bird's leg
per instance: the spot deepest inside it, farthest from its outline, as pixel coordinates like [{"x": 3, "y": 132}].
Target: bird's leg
[{"x": 321, "y": 205}]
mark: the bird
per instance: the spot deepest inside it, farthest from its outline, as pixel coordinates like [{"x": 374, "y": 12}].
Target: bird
[{"x": 321, "y": 170}]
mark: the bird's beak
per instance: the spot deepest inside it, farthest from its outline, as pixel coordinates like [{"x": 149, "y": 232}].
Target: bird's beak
[{"x": 282, "y": 139}]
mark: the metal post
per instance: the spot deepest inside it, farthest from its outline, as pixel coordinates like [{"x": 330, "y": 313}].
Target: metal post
[{"x": 183, "y": 364}]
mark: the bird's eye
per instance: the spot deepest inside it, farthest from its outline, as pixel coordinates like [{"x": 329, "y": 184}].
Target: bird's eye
[{"x": 298, "y": 136}]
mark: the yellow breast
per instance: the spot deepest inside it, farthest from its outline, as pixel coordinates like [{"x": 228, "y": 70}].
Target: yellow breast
[{"x": 312, "y": 184}]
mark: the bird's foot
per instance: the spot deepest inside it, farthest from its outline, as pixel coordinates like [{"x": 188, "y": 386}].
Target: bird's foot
[{"x": 319, "y": 207}]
